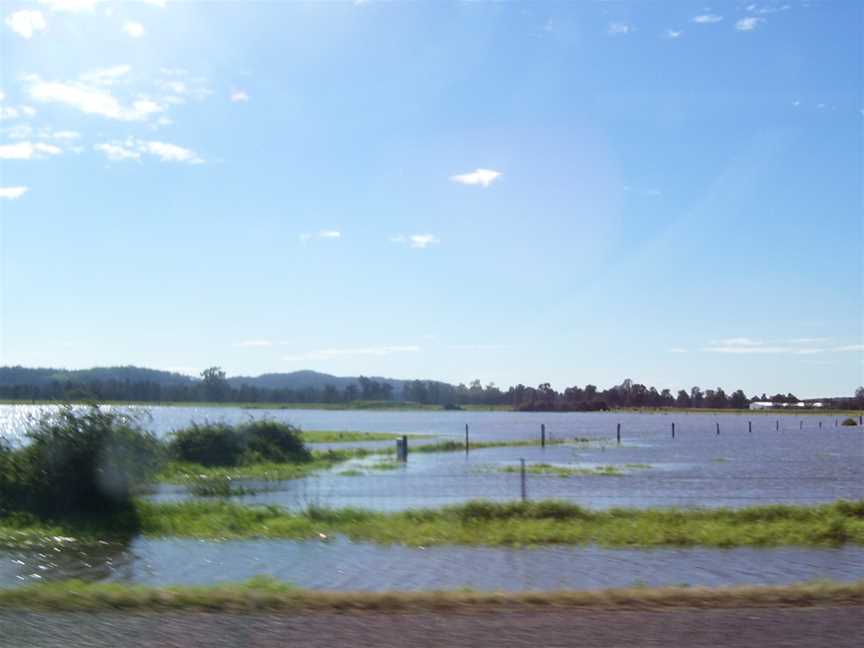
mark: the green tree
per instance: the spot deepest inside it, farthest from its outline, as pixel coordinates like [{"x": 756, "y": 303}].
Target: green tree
[{"x": 215, "y": 385}]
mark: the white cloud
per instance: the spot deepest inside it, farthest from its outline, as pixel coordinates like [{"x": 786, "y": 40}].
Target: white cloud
[
  {"x": 673, "y": 33},
  {"x": 416, "y": 240},
  {"x": 71, "y": 6},
  {"x": 25, "y": 23},
  {"x": 330, "y": 354},
  {"x": 254, "y": 344},
  {"x": 66, "y": 135},
  {"x": 748, "y": 24},
  {"x": 239, "y": 96},
  {"x": 322, "y": 234},
  {"x": 768, "y": 9},
  {"x": 476, "y": 347},
  {"x": 117, "y": 153},
  {"x": 93, "y": 100},
  {"x": 13, "y": 193},
  {"x": 133, "y": 29},
  {"x": 133, "y": 149},
  {"x": 481, "y": 177},
  {"x": 707, "y": 19},
  {"x": 27, "y": 150},
  {"x": 106, "y": 76},
  {"x": 155, "y": 3},
  {"x": 618, "y": 29},
  {"x": 677, "y": 350},
  {"x": 797, "y": 346}
]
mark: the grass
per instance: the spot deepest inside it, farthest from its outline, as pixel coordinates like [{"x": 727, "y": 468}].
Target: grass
[
  {"x": 479, "y": 523},
  {"x": 264, "y": 593},
  {"x": 176, "y": 472},
  {"x": 520, "y": 524},
  {"x": 564, "y": 471}
]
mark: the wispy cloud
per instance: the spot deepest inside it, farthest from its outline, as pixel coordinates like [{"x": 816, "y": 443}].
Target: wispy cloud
[
  {"x": 618, "y": 29},
  {"x": 476, "y": 347},
  {"x": 795, "y": 346},
  {"x": 133, "y": 149},
  {"x": 12, "y": 193},
  {"x": 768, "y": 9},
  {"x": 25, "y": 23},
  {"x": 707, "y": 19},
  {"x": 416, "y": 240},
  {"x": 239, "y": 96},
  {"x": 133, "y": 29},
  {"x": 71, "y": 6},
  {"x": 324, "y": 234},
  {"x": 254, "y": 344},
  {"x": 91, "y": 99},
  {"x": 28, "y": 150},
  {"x": 676, "y": 350},
  {"x": 479, "y": 177},
  {"x": 330, "y": 354},
  {"x": 748, "y": 24},
  {"x": 673, "y": 33}
]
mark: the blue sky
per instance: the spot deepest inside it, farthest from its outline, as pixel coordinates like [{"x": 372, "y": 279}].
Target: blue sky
[{"x": 518, "y": 192}]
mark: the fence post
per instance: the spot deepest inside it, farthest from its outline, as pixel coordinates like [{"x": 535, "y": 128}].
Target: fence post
[
  {"x": 618, "y": 434},
  {"x": 718, "y": 428},
  {"x": 404, "y": 447},
  {"x": 398, "y": 449},
  {"x": 750, "y": 426},
  {"x": 820, "y": 425},
  {"x": 542, "y": 435},
  {"x": 673, "y": 430},
  {"x": 800, "y": 425},
  {"x": 777, "y": 425},
  {"x": 466, "y": 439},
  {"x": 522, "y": 473}
]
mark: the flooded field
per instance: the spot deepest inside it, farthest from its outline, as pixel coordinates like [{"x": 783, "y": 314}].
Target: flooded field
[{"x": 784, "y": 459}]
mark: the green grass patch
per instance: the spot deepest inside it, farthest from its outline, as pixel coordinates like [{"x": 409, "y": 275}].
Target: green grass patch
[
  {"x": 263, "y": 593},
  {"x": 564, "y": 471},
  {"x": 519, "y": 524},
  {"x": 176, "y": 472}
]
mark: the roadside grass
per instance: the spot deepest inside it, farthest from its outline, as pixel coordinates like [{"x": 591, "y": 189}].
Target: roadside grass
[
  {"x": 264, "y": 593},
  {"x": 519, "y": 524}
]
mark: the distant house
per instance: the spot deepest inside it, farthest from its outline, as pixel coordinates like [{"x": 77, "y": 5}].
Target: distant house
[{"x": 761, "y": 405}]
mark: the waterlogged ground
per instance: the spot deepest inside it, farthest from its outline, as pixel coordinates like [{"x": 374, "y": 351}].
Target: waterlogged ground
[
  {"x": 801, "y": 462},
  {"x": 338, "y": 564},
  {"x": 807, "y": 460}
]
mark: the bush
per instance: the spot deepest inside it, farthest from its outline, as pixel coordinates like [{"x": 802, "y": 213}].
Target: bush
[
  {"x": 221, "y": 444},
  {"x": 276, "y": 442},
  {"x": 79, "y": 463},
  {"x": 210, "y": 444},
  {"x": 850, "y": 422}
]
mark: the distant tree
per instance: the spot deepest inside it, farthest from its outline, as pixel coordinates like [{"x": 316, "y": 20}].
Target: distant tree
[
  {"x": 696, "y": 397},
  {"x": 215, "y": 385},
  {"x": 859, "y": 396},
  {"x": 683, "y": 399},
  {"x": 738, "y": 400}
]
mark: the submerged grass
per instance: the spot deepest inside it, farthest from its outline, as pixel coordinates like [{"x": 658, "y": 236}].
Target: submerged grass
[
  {"x": 264, "y": 593},
  {"x": 344, "y": 436},
  {"x": 564, "y": 471},
  {"x": 177, "y": 472},
  {"x": 519, "y": 524}
]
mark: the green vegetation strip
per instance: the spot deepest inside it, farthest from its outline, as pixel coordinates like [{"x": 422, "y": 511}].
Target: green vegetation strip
[
  {"x": 266, "y": 594},
  {"x": 480, "y": 523},
  {"x": 334, "y": 436},
  {"x": 565, "y": 471}
]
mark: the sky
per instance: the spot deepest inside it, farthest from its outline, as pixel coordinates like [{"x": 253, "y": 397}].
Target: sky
[{"x": 518, "y": 192}]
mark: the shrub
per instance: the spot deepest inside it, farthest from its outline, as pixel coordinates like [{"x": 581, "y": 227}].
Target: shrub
[
  {"x": 850, "y": 422},
  {"x": 80, "y": 463},
  {"x": 221, "y": 444},
  {"x": 276, "y": 442},
  {"x": 210, "y": 444}
]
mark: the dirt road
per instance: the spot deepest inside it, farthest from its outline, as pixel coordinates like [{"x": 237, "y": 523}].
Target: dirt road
[{"x": 809, "y": 627}]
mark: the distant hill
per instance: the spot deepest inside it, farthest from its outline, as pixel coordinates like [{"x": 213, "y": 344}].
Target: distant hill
[
  {"x": 305, "y": 379},
  {"x": 10, "y": 376},
  {"x": 45, "y": 376}
]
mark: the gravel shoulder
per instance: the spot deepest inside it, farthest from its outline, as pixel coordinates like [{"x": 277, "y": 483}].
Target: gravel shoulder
[{"x": 835, "y": 626}]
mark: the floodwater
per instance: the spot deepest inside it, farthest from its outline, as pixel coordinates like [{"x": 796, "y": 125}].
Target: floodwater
[
  {"x": 785, "y": 459},
  {"x": 339, "y": 564}
]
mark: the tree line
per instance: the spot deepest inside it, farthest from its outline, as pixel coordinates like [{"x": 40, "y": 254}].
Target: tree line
[{"x": 213, "y": 386}]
